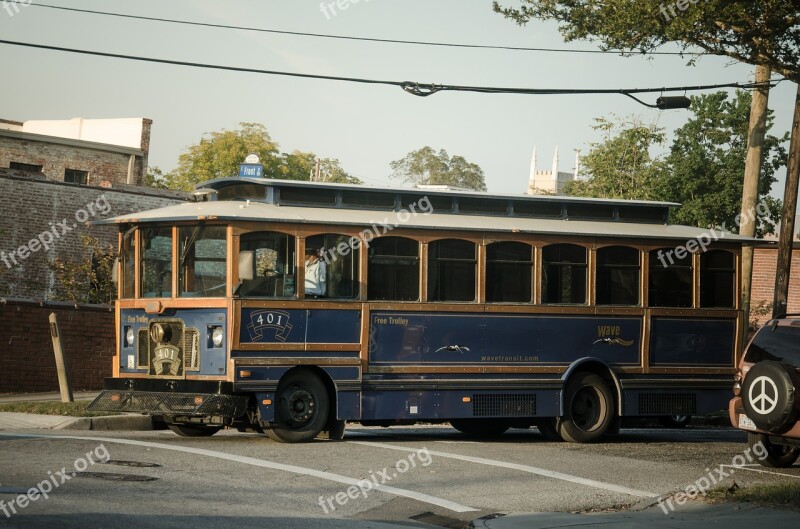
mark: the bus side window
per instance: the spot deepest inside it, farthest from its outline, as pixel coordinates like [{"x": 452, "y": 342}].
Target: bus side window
[
  {"x": 452, "y": 267},
  {"x": 509, "y": 272},
  {"x": 564, "y": 274},
  {"x": 128, "y": 256},
  {"x": 274, "y": 265},
  {"x": 393, "y": 269},
  {"x": 338, "y": 255},
  {"x": 670, "y": 279},
  {"x": 618, "y": 272},
  {"x": 717, "y": 279}
]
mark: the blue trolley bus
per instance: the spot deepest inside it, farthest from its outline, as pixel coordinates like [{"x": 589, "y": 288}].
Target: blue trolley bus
[{"x": 291, "y": 307}]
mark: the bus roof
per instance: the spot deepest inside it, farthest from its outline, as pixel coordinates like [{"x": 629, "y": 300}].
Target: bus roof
[
  {"x": 248, "y": 210},
  {"x": 431, "y": 190}
]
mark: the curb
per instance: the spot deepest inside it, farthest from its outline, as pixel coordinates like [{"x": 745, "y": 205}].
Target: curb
[{"x": 111, "y": 422}]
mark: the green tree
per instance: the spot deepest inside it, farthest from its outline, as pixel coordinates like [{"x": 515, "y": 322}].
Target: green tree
[
  {"x": 765, "y": 32},
  {"x": 88, "y": 279},
  {"x": 219, "y": 154},
  {"x": 156, "y": 178},
  {"x": 300, "y": 165},
  {"x": 621, "y": 165},
  {"x": 706, "y": 163},
  {"x": 426, "y": 166}
]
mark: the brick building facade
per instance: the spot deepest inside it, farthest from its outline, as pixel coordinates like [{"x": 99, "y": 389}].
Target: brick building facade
[
  {"x": 80, "y": 151},
  {"x": 26, "y": 351},
  {"x": 765, "y": 262}
]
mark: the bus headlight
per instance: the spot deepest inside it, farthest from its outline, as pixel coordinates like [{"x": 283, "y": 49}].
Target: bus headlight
[
  {"x": 217, "y": 336},
  {"x": 129, "y": 336}
]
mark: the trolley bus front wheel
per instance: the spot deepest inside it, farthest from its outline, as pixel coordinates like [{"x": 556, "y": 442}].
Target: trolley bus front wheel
[
  {"x": 589, "y": 409},
  {"x": 301, "y": 409},
  {"x": 185, "y": 430}
]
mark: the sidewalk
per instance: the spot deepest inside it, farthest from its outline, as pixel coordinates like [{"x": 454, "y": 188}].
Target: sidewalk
[
  {"x": 43, "y": 397},
  {"x": 32, "y": 421},
  {"x": 697, "y": 515}
]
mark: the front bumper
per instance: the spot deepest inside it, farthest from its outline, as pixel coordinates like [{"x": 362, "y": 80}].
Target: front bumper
[{"x": 181, "y": 398}]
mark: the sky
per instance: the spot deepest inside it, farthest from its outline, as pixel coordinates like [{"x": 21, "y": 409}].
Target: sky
[{"x": 364, "y": 126}]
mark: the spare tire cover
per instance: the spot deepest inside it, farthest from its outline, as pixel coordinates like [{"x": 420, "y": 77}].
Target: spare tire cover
[{"x": 769, "y": 396}]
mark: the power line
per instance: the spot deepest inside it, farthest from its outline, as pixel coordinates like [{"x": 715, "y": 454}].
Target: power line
[
  {"x": 418, "y": 89},
  {"x": 344, "y": 37}
]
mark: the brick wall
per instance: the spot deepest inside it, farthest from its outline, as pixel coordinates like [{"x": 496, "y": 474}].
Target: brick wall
[
  {"x": 27, "y": 363},
  {"x": 55, "y": 159},
  {"x": 29, "y": 207},
  {"x": 764, "y": 266}
]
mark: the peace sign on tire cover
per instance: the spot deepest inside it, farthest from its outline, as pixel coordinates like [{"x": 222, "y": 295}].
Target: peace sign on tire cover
[{"x": 769, "y": 396}]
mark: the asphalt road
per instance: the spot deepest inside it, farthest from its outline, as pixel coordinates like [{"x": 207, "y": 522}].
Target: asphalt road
[{"x": 156, "y": 479}]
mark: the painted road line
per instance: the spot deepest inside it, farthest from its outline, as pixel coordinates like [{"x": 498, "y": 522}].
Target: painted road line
[
  {"x": 524, "y": 468},
  {"x": 432, "y": 500},
  {"x": 760, "y": 471}
]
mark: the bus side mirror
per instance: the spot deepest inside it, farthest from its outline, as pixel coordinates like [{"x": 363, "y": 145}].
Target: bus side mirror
[
  {"x": 246, "y": 268},
  {"x": 115, "y": 272}
]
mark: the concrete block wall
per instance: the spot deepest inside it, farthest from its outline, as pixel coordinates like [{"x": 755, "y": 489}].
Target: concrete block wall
[{"x": 30, "y": 208}]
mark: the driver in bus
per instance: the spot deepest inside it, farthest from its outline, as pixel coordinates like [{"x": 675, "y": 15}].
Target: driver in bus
[{"x": 315, "y": 273}]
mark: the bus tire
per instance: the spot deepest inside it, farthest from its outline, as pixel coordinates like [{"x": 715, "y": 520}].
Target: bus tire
[
  {"x": 675, "y": 421},
  {"x": 778, "y": 456},
  {"x": 547, "y": 427},
  {"x": 186, "y": 430},
  {"x": 589, "y": 409},
  {"x": 480, "y": 427},
  {"x": 301, "y": 408},
  {"x": 335, "y": 430}
]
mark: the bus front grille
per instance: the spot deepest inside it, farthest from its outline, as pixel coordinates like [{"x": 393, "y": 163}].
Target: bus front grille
[
  {"x": 191, "y": 345},
  {"x": 667, "y": 403},
  {"x": 166, "y": 403},
  {"x": 143, "y": 342},
  {"x": 503, "y": 405}
]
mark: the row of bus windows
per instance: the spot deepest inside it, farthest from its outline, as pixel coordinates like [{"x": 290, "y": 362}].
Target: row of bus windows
[
  {"x": 268, "y": 268},
  {"x": 394, "y": 268}
]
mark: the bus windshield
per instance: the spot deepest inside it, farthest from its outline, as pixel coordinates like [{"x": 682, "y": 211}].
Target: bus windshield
[{"x": 202, "y": 261}]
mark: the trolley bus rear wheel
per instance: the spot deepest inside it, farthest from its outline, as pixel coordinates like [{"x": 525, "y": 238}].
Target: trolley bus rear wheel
[
  {"x": 589, "y": 408},
  {"x": 480, "y": 427},
  {"x": 547, "y": 427},
  {"x": 301, "y": 409},
  {"x": 185, "y": 430}
]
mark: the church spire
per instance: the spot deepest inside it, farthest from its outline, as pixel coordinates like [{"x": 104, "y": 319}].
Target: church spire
[
  {"x": 533, "y": 165},
  {"x": 555, "y": 164}
]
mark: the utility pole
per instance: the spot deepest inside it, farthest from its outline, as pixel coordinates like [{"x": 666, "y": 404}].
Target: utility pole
[
  {"x": 317, "y": 170},
  {"x": 787, "y": 219},
  {"x": 752, "y": 172}
]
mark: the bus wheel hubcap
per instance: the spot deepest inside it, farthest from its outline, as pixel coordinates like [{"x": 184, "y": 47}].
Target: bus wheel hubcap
[
  {"x": 585, "y": 408},
  {"x": 300, "y": 406}
]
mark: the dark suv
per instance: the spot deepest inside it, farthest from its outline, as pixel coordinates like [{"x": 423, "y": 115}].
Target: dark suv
[{"x": 767, "y": 392}]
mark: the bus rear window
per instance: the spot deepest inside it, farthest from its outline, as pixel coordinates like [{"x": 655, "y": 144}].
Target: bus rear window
[{"x": 780, "y": 344}]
